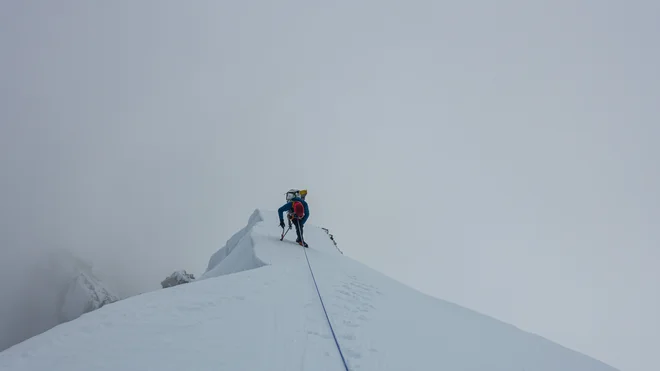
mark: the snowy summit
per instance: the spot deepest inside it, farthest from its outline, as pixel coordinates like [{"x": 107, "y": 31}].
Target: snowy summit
[{"x": 266, "y": 304}]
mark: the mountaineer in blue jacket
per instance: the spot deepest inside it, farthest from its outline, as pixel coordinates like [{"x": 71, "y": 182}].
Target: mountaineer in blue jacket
[{"x": 297, "y": 212}]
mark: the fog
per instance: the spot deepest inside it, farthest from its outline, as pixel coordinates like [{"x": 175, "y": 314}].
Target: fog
[{"x": 500, "y": 156}]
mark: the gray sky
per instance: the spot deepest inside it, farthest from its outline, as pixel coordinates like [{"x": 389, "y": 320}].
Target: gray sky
[{"x": 500, "y": 155}]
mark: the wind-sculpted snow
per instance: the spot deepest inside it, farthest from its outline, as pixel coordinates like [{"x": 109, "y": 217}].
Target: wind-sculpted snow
[
  {"x": 238, "y": 254},
  {"x": 256, "y": 308}
]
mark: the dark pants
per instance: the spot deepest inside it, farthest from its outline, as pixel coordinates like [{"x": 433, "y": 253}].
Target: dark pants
[{"x": 299, "y": 228}]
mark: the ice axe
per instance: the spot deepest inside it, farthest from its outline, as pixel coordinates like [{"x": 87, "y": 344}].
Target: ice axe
[{"x": 284, "y": 233}]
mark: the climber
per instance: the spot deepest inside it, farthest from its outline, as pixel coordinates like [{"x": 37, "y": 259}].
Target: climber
[{"x": 297, "y": 212}]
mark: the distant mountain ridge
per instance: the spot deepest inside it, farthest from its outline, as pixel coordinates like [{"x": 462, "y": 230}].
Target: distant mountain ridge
[{"x": 57, "y": 287}]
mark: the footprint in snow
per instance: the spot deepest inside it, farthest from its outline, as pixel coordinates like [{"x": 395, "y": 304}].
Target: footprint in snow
[
  {"x": 323, "y": 336},
  {"x": 350, "y": 324},
  {"x": 353, "y": 354}
]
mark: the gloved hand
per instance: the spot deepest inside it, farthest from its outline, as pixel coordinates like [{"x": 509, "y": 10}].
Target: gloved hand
[{"x": 282, "y": 224}]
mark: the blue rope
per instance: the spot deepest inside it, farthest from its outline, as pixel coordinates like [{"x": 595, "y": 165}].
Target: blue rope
[{"x": 326, "y": 312}]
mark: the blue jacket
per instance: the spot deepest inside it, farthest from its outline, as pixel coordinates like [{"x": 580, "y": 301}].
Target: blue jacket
[{"x": 289, "y": 207}]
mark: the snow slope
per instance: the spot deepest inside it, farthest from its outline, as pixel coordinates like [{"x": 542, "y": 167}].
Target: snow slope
[
  {"x": 257, "y": 308},
  {"x": 48, "y": 288}
]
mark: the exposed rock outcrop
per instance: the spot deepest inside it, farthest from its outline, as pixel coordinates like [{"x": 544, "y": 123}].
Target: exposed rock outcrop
[{"x": 177, "y": 278}]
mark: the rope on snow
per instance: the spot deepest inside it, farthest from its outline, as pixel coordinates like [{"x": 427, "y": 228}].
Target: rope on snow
[{"x": 325, "y": 311}]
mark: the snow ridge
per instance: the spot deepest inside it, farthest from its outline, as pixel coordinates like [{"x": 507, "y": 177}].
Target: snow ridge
[
  {"x": 366, "y": 323},
  {"x": 292, "y": 313},
  {"x": 83, "y": 295},
  {"x": 238, "y": 254}
]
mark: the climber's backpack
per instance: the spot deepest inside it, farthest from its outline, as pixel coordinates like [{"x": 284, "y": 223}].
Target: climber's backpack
[{"x": 298, "y": 209}]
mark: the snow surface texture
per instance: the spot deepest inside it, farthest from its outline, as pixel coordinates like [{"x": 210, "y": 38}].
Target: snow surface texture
[{"x": 256, "y": 308}]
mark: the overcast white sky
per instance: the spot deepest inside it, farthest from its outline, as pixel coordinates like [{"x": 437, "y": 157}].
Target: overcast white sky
[{"x": 499, "y": 155}]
